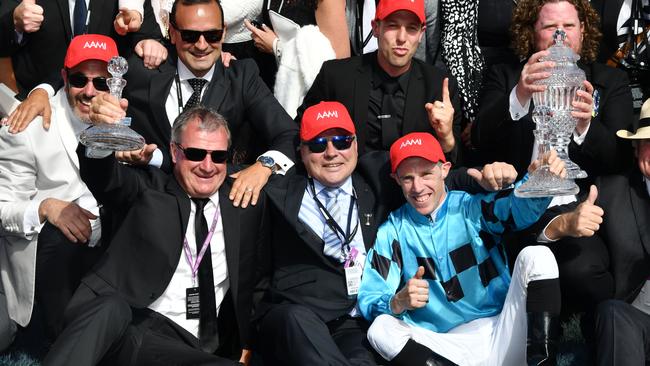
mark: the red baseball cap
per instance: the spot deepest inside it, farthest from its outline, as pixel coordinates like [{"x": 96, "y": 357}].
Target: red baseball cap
[
  {"x": 324, "y": 116},
  {"x": 90, "y": 47},
  {"x": 388, "y": 7},
  {"x": 420, "y": 144}
]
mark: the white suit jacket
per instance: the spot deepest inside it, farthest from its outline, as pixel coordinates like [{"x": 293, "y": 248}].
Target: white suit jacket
[{"x": 34, "y": 165}]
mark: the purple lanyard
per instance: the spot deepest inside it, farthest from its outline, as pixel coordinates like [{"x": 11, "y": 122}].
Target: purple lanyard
[{"x": 188, "y": 254}]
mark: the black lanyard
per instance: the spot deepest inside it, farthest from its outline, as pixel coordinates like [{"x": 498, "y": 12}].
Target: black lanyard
[
  {"x": 179, "y": 95},
  {"x": 347, "y": 236}
]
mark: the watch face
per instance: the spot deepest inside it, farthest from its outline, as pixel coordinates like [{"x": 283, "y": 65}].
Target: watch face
[{"x": 267, "y": 161}]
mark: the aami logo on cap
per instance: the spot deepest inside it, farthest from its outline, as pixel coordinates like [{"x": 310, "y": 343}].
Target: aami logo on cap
[
  {"x": 410, "y": 142},
  {"x": 94, "y": 44},
  {"x": 327, "y": 114}
]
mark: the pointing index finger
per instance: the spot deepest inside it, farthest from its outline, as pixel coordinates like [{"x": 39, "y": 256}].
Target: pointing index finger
[{"x": 445, "y": 92}]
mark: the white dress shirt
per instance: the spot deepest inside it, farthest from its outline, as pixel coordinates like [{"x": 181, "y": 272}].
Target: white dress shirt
[{"x": 172, "y": 302}]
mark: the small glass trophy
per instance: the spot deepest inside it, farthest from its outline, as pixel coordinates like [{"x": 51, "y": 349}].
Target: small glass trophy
[
  {"x": 112, "y": 136},
  {"x": 554, "y": 123}
]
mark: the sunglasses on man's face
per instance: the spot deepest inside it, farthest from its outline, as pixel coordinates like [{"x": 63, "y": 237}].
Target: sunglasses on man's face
[
  {"x": 196, "y": 154},
  {"x": 192, "y": 36},
  {"x": 319, "y": 144},
  {"x": 79, "y": 80}
]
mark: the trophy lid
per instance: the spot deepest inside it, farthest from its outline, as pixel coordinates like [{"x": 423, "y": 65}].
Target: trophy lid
[{"x": 566, "y": 72}]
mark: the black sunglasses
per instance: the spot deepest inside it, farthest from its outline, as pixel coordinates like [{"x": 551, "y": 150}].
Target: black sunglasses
[
  {"x": 192, "y": 36},
  {"x": 196, "y": 154},
  {"x": 319, "y": 144},
  {"x": 79, "y": 80}
]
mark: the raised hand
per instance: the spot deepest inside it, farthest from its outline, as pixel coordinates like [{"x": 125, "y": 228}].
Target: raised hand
[
  {"x": 127, "y": 21},
  {"x": 441, "y": 118},
  {"x": 72, "y": 220},
  {"x": 533, "y": 71},
  {"x": 28, "y": 16},
  {"x": 414, "y": 295},
  {"x": 494, "y": 176}
]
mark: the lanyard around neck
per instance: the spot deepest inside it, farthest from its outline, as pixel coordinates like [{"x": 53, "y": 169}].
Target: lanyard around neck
[
  {"x": 194, "y": 266},
  {"x": 345, "y": 237}
]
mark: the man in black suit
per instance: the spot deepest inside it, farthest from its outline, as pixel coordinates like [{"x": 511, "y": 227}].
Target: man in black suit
[
  {"x": 503, "y": 128},
  {"x": 154, "y": 297},
  {"x": 614, "y": 220},
  {"x": 258, "y": 123},
  {"x": 388, "y": 92},
  {"x": 309, "y": 316}
]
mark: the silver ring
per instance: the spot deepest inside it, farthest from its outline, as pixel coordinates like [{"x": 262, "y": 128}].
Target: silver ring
[
  {"x": 441, "y": 106},
  {"x": 249, "y": 189}
]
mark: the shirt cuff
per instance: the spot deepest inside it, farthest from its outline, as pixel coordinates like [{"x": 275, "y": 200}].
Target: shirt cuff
[
  {"x": 542, "y": 238},
  {"x": 137, "y": 5},
  {"x": 31, "y": 222},
  {"x": 281, "y": 160},
  {"x": 45, "y": 86},
  {"x": 579, "y": 139},
  {"x": 517, "y": 111},
  {"x": 156, "y": 158}
]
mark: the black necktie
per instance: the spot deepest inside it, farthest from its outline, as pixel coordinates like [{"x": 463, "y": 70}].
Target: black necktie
[
  {"x": 208, "y": 335},
  {"x": 197, "y": 86},
  {"x": 391, "y": 110},
  {"x": 79, "y": 17}
]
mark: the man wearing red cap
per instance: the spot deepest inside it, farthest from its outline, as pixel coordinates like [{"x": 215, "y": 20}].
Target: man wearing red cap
[
  {"x": 45, "y": 207},
  {"x": 436, "y": 283},
  {"x": 329, "y": 217},
  {"x": 388, "y": 92}
]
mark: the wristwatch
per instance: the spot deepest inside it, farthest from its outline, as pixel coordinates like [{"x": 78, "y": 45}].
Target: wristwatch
[{"x": 268, "y": 162}]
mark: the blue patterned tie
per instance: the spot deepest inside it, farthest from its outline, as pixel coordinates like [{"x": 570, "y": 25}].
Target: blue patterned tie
[
  {"x": 79, "y": 15},
  {"x": 333, "y": 200}
]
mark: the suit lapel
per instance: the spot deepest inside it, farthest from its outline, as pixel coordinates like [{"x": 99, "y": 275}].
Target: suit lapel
[
  {"x": 159, "y": 88},
  {"x": 218, "y": 88},
  {"x": 64, "y": 10},
  {"x": 361, "y": 95},
  {"x": 641, "y": 207},
  {"x": 230, "y": 216},
  {"x": 62, "y": 126},
  {"x": 365, "y": 204},
  {"x": 183, "y": 201},
  {"x": 413, "y": 100}
]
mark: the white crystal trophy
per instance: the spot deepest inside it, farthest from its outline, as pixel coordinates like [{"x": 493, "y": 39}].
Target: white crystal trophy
[
  {"x": 554, "y": 123},
  {"x": 113, "y": 136}
]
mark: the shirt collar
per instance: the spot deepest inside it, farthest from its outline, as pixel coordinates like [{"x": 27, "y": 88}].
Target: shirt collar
[
  {"x": 346, "y": 187},
  {"x": 184, "y": 73},
  {"x": 379, "y": 76}
]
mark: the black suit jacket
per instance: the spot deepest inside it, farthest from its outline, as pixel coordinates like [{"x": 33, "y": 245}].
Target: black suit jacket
[
  {"x": 145, "y": 250},
  {"x": 39, "y": 57},
  {"x": 498, "y": 137},
  {"x": 625, "y": 230},
  {"x": 299, "y": 271},
  {"x": 348, "y": 81},
  {"x": 236, "y": 92}
]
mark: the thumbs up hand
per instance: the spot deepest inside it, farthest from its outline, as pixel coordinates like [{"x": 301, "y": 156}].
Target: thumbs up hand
[
  {"x": 584, "y": 220},
  {"x": 28, "y": 16},
  {"x": 441, "y": 118},
  {"x": 415, "y": 294}
]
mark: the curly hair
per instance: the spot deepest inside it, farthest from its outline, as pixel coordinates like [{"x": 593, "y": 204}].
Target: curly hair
[{"x": 525, "y": 16}]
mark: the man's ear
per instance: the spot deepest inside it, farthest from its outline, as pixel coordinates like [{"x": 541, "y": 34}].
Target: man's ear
[
  {"x": 64, "y": 76},
  {"x": 375, "y": 28},
  {"x": 394, "y": 176},
  {"x": 172, "y": 149},
  {"x": 445, "y": 169}
]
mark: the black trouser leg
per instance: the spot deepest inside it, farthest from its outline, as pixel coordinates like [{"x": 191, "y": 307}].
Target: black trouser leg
[{"x": 543, "y": 307}]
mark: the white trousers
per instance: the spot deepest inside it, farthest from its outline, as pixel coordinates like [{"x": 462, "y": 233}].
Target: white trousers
[{"x": 497, "y": 340}]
